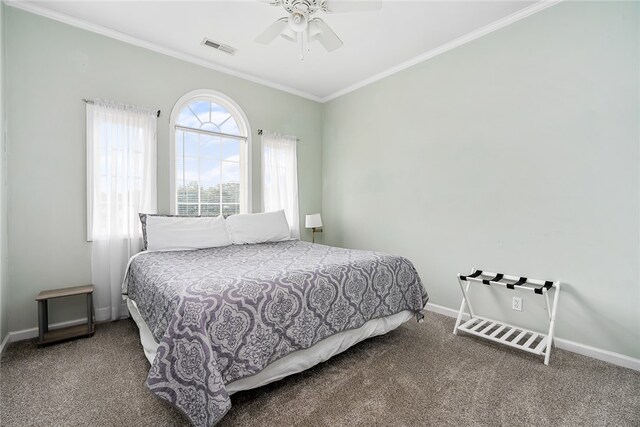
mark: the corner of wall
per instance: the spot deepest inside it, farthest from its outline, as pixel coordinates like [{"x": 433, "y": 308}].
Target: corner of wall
[{"x": 3, "y": 190}]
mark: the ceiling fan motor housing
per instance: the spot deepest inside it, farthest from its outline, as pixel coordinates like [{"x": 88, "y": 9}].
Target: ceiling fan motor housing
[
  {"x": 309, "y": 5},
  {"x": 298, "y": 21}
]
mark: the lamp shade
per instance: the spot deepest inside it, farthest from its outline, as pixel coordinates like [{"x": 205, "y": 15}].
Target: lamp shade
[{"x": 313, "y": 221}]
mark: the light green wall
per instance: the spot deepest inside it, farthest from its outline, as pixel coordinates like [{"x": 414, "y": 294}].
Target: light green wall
[
  {"x": 4, "y": 282},
  {"x": 517, "y": 152},
  {"x": 51, "y": 67}
]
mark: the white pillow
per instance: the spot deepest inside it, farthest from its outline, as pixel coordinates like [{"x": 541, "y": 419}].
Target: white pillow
[
  {"x": 175, "y": 232},
  {"x": 258, "y": 227}
]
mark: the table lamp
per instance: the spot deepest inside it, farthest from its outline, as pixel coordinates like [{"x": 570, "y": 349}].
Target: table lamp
[{"x": 313, "y": 221}]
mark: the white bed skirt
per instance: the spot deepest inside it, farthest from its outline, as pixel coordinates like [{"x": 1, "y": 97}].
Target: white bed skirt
[{"x": 295, "y": 362}]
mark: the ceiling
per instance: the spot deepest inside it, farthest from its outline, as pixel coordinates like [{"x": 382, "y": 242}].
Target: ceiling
[{"x": 374, "y": 42}]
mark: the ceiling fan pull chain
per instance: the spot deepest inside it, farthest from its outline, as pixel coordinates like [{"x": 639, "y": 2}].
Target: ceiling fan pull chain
[{"x": 301, "y": 46}]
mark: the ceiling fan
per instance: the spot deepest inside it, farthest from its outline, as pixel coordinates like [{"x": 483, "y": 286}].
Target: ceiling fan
[{"x": 300, "y": 27}]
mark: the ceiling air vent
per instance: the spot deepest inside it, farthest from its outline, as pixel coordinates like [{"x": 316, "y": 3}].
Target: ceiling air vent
[{"x": 219, "y": 46}]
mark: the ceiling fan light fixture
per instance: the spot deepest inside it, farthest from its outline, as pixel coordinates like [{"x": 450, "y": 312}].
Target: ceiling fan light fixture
[
  {"x": 314, "y": 31},
  {"x": 302, "y": 28},
  {"x": 289, "y": 34},
  {"x": 298, "y": 21}
]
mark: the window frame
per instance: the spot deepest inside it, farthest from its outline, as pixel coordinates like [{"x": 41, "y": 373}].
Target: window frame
[{"x": 243, "y": 124}]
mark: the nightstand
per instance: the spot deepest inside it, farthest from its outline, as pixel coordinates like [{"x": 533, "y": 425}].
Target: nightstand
[{"x": 49, "y": 337}]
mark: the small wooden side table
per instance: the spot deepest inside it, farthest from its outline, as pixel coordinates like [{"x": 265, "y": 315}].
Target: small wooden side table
[{"x": 49, "y": 337}]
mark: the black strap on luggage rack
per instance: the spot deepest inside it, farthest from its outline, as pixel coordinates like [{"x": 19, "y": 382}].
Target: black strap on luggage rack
[
  {"x": 474, "y": 275},
  {"x": 520, "y": 282},
  {"x": 547, "y": 285},
  {"x": 498, "y": 279}
]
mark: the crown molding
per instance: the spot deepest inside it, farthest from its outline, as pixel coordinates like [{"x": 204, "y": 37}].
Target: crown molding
[
  {"x": 476, "y": 34},
  {"x": 85, "y": 25}
]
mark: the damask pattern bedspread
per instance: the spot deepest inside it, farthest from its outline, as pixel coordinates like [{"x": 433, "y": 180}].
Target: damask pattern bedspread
[{"x": 223, "y": 314}]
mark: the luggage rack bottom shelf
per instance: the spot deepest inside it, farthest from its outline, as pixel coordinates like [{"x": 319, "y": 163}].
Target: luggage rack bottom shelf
[{"x": 503, "y": 333}]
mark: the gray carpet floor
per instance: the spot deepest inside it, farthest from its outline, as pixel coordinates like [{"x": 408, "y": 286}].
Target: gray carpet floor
[{"x": 419, "y": 374}]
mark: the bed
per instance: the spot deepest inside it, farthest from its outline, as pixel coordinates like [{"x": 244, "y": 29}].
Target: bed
[{"x": 219, "y": 320}]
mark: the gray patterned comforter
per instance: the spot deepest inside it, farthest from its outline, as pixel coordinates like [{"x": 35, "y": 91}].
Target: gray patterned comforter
[{"x": 222, "y": 314}]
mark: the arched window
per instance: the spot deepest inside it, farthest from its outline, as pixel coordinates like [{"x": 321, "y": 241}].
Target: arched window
[{"x": 210, "y": 156}]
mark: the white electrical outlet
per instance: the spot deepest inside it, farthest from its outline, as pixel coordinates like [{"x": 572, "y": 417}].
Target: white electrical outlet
[{"x": 516, "y": 304}]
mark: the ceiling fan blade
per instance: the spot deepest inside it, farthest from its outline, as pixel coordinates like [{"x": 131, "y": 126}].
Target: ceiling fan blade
[
  {"x": 325, "y": 35},
  {"x": 272, "y": 31},
  {"x": 341, "y": 6}
]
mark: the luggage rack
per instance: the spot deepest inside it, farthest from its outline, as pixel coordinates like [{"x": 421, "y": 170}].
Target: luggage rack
[{"x": 501, "y": 332}]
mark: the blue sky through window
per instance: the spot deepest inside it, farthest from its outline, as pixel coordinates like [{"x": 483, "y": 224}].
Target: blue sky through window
[
  {"x": 209, "y": 116},
  {"x": 208, "y": 171}
]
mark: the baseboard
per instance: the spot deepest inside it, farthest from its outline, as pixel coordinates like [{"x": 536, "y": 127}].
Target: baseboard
[
  {"x": 101, "y": 315},
  {"x": 5, "y": 341},
  {"x": 598, "y": 353},
  {"x": 445, "y": 310},
  {"x": 572, "y": 346},
  {"x": 26, "y": 334}
]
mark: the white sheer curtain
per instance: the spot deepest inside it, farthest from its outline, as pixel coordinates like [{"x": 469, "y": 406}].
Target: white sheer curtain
[
  {"x": 280, "y": 177},
  {"x": 121, "y": 182}
]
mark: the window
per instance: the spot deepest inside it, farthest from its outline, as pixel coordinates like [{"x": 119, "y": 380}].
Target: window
[
  {"x": 121, "y": 168},
  {"x": 210, "y": 147}
]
